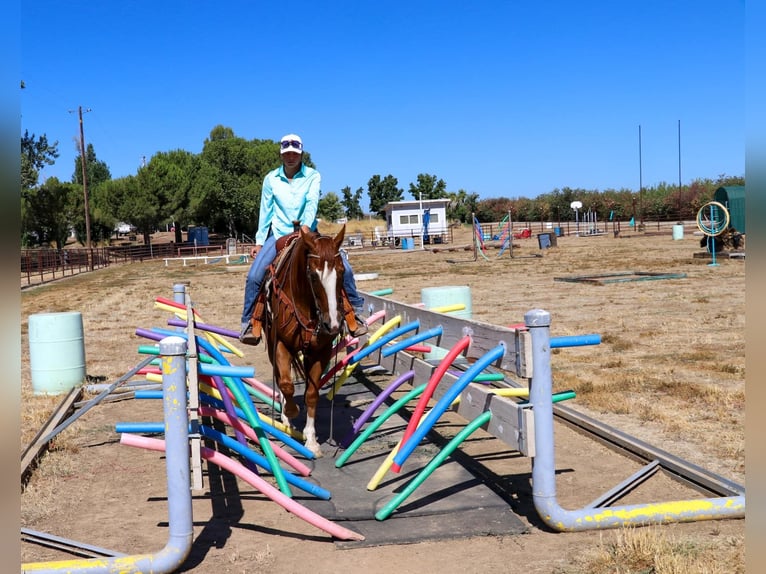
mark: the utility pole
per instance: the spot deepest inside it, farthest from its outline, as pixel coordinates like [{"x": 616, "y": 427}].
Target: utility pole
[
  {"x": 84, "y": 178},
  {"x": 640, "y": 186},
  {"x": 679, "y": 172}
]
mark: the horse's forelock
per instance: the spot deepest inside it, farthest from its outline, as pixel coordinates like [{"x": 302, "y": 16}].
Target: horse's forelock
[{"x": 323, "y": 247}]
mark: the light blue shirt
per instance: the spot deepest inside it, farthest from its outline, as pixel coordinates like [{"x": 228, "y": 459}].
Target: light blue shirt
[{"x": 283, "y": 201}]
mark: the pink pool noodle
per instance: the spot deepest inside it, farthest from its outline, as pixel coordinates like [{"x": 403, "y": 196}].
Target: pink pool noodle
[
  {"x": 256, "y": 482},
  {"x": 282, "y": 454}
]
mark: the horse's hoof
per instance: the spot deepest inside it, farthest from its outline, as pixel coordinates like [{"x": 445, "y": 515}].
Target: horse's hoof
[{"x": 315, "y": 449}]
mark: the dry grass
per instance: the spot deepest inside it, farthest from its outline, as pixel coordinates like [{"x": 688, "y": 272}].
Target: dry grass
[{"x": 655, "y": 551}]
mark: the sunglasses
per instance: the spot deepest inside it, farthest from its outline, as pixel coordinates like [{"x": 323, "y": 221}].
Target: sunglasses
[{"x": 291, "y": 143}]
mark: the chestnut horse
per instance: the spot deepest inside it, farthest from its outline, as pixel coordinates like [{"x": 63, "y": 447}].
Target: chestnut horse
[{"x": 303, "y": 316}]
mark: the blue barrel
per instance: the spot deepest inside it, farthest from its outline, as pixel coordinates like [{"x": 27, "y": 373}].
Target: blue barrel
[
  {"x": 56, "y": 352},
  {"x": 557, "y": 231},
  {"x": 408, "y": 243}
]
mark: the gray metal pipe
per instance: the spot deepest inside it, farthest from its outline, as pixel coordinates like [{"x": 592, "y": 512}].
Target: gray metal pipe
[
  {"x": 538, "y": 322},
  {"x": 170, "y": 558}
]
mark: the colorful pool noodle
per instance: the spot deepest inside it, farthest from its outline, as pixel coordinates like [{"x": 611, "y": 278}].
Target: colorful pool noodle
[
  {"x": 229, "y": 406},
  {"x": 205, "y": 361},
  {"x": 242, "y": 449},
  {"x": 435, "y": 462},
  {"x": 180, "y": 311},
  {"x": 452, "y": 393},
  {"x": 264, "y": 418},
  {"x": 382, "y": 292},
  {"x": 575, "y": 341},
  {"x": 372, "y": 347},
  {"x": 382, "y": 396},
  {"x": 374, "y": 425},
  {"x": 214, "y": 333},
  {"x": 386, "y": 464},
  {"x": 481, "y": 377},
  {"x": 275, "y": 428},
  {"x": 253, "y": 456},
  {"x": 376, "y": 316},
  {"x": 206, "y": 327},
  {"x": 252, "y": 385},
  {"x": 255, "y": 481},
  {"x": 271, "y": 427},
  {"x": 433, "y": 382},
  {"x": 379, "y": 332},
  {"x": 439, "y": 458},
  {"x": 282, "y": 454},
  {"x": 448, "y": 308},
  {"x": 417, "y": 338},
  {"x": 243, "y": 398},
  {"x": 419, "y": 349}
]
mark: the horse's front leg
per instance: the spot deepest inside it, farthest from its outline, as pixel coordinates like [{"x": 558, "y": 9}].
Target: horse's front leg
[
  {"x": 311, "y": 398},
  {"x": 282, "y": 362}
]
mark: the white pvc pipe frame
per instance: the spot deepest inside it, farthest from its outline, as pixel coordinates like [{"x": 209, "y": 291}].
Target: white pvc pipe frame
[
  {"x": 181, "y": 532},
  {"x": 538, "y": 322}
]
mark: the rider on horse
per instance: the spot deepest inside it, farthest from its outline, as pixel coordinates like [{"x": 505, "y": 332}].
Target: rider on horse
[{"x": 290, "y": 194}]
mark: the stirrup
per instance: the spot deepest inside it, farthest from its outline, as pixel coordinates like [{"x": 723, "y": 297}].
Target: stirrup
[
  {"x": 361, "y": 327},
  {"x": 248, "y": 338}
]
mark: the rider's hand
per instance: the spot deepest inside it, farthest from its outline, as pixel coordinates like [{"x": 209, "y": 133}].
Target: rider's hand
[{"x": 254, "y": 250}]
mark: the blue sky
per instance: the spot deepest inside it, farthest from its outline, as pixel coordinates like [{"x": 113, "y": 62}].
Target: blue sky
[{"x": 502, "y": 99}]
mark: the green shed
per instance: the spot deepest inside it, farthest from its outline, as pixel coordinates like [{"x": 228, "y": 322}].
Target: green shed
[{"x": 733, "y": 198}]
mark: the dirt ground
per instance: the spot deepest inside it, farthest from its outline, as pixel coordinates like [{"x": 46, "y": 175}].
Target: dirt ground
[{"x": 680, "y": 332}]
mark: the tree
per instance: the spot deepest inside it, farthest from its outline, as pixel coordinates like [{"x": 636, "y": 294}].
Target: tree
[
  {"x": 35, "y": 155},
  {"x": 382, "y": 192},
  {"x": 352, "y": 203},
  {"x": 169, "y": 178},
  {"x": 462, "y": 204},
  {"x": 98, "y": 172},
  {"x": 46, "y": 213},
  {"x": 428, "y": 187},
  {"x": 330, "y": 208},
  {"x": 226, "y": 193},
  {"x": 96, "y": 169}
]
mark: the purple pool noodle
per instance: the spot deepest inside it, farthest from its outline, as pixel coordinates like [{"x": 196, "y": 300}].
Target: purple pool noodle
[
  {"x": 375, "y": 404},
  {"x": 211, "y": 328}
]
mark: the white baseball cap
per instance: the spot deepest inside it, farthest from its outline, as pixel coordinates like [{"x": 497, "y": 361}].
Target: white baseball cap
[{"x": 291, "y": 142}]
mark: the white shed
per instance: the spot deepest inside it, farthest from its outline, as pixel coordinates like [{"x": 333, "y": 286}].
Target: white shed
[{"x": 405, "y": 219}]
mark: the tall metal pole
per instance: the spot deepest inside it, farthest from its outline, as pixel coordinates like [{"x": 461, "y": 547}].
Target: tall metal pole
[{"x": 84, "y": 180}]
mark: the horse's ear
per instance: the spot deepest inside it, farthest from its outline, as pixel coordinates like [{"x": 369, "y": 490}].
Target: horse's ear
[
  {"x": 307, "y": 236},
  {"x": 339, "y": 237}
]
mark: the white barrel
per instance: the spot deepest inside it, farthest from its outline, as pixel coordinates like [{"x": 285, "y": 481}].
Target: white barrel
[
  {"x": 56, "y": 352},
  {"x": 678, "y": 231}
]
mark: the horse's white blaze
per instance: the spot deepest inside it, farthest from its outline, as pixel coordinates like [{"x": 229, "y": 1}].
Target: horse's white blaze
[{"x": 329, "y": 280}]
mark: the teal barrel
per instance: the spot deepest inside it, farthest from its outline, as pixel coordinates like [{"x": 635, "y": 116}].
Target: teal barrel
[
  {"x": 435, "y": 297},
  {"x": 56, "y": 352}
]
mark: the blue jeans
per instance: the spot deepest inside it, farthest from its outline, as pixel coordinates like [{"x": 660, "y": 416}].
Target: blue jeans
[
  {"x": 256, "y": 274},
  {"x": 349, "y": 284},
  {"x": 258, "y": 271}
]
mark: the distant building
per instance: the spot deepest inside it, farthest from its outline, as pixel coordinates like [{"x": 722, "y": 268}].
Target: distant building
[{"x": 405, "y": 219}]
